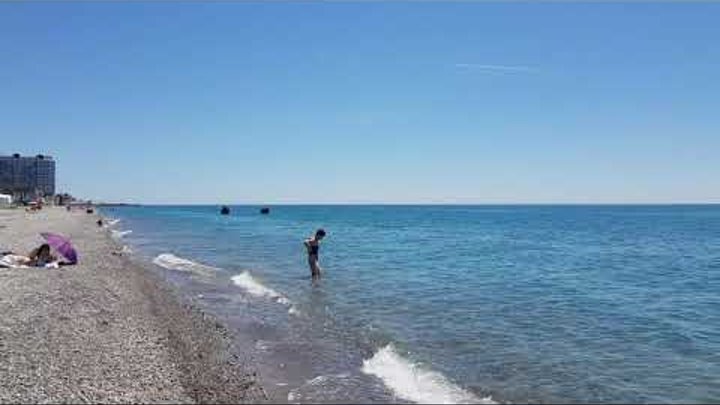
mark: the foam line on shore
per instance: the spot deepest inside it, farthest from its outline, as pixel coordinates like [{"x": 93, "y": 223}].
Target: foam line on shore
[
  {"x": 248, "y": 283},
  {"x": 119, "y": 234},
  {"x": 172, "y": 262},
  {"x": 243, "y": 280},
  {"x": 414, "y": 383}
]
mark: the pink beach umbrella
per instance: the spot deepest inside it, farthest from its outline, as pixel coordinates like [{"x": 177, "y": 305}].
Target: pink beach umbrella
[{"x": 62, "y": 245}]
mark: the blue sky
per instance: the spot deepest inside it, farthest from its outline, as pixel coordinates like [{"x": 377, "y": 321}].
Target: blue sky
[{"x": 235, "y": 102}]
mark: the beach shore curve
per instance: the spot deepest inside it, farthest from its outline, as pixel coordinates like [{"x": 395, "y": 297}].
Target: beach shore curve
[{"x": 106, "y": 330}]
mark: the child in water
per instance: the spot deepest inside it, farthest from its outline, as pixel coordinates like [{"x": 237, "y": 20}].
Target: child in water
[{"x": 313, "y": 247}]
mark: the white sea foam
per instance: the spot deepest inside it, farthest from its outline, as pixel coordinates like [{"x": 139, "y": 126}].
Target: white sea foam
[
  {"x": 119, "y": 234},
  {"x": 413, "y": 383},
  {"x": 317, "y": 380},
  {"x": 172, "y": 262},
  {"x": 246, "y": 281},
  {"x": 254, "y": 287},
  {"x": 112, "y": 222},
  {"x": 243, "y": 280}
]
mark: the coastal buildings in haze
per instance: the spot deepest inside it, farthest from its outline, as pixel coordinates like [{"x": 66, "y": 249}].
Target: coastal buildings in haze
[{"x": 27, "y": 177}]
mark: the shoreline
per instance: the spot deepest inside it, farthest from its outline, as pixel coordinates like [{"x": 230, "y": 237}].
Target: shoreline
[
  {"x": 259, "y": 315},
  {"x": 107, "y": 329}
]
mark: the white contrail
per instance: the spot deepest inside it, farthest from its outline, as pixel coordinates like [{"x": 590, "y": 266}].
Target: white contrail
[{"x": 495, "y": 68}]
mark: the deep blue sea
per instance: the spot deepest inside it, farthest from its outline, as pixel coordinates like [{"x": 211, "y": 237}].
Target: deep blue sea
[{"x": 455, "y": 304}]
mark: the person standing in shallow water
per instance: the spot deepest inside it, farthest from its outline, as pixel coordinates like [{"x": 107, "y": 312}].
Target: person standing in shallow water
[{"x": 313, "y": 247}]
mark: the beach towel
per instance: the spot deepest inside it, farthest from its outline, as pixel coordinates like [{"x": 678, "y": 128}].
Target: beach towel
[
  {"x": 18, "y": 262},
  {"x": 13, "y": 261}
]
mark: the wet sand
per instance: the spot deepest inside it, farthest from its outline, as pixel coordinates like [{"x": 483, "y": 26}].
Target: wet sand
[{"x": 106, "y": 330}]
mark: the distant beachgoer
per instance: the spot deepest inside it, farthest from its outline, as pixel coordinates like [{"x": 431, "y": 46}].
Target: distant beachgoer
[
  {"x": 313, "y": 247},
  {"x": 100, "y": 222}
]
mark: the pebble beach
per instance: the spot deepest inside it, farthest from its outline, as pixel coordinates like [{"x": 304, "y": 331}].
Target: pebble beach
[{"x": 106, "y": 330}]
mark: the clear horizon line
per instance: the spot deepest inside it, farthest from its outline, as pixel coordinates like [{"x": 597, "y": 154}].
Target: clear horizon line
[{"x": 407, "y": 203}]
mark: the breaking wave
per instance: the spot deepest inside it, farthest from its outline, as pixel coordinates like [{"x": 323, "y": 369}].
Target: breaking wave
[
  {"x": 172, "y": 262},
  {"x": 413, "y": 383},
  {"x": 119, "y": 234},
  {"x": 246, "y": 281}
]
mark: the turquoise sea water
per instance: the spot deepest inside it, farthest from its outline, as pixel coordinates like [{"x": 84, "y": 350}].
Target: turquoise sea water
[{"x": 458, "y": 303}]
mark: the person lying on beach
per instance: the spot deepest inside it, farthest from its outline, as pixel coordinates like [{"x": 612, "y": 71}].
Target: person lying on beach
[
  {"x": 11, "y": 260},
  {"x": 313, "y": 248},
  {"x": 42, "y": 256}
]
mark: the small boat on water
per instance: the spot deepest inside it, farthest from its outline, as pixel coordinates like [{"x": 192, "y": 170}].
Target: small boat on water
[
  {"x": 225, "y": 210},
  {"x": 265, "y": 210}
]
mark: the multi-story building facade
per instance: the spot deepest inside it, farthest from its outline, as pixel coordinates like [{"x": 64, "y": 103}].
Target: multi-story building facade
[{"x": 27, "y": 178}]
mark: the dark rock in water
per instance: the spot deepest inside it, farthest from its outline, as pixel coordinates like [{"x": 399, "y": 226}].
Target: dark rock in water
[
  {"x": 225, "y": 210},
  {"x": 265, "y": 210}
]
